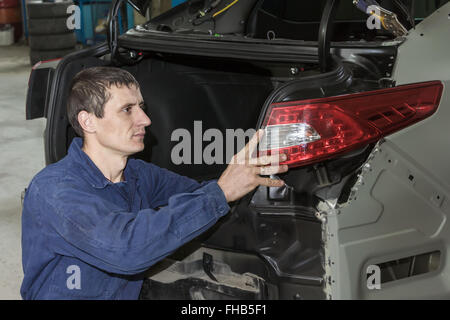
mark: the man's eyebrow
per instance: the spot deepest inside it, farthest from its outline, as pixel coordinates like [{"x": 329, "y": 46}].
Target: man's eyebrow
[
  {"x": 130, "y": 104},
  {"x": 126, "y": 105}
]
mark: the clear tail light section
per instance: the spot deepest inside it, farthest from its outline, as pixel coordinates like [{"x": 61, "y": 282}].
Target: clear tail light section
[{"x": 314, "y": 130}]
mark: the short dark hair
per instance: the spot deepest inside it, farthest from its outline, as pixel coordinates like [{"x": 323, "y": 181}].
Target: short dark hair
[{"x": 89, "y": 91}]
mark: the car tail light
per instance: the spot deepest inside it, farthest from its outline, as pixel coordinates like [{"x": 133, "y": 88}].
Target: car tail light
[{"x": 314, "y": 130}]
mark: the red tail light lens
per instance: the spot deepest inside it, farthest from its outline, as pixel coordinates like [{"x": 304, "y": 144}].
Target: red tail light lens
[{"x": 310, "y": 131}]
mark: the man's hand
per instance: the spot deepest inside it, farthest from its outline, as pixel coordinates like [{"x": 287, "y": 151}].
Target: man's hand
[{"x": 243, "y": 174}]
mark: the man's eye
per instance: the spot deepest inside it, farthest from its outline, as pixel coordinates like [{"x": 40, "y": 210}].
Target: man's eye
[{"x": 127, "y": 109}]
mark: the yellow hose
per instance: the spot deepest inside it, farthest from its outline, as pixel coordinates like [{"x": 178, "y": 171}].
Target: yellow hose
[{"x": 225, "y": 9}]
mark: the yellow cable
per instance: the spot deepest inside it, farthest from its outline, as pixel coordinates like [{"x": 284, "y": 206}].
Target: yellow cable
[{"x": 226, "y": 8}]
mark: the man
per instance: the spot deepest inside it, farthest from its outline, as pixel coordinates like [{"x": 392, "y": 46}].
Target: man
[{"x": 90, "y": 224}]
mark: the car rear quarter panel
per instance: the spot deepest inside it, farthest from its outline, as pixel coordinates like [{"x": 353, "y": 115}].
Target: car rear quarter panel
[{"x": 401, "y": 203}]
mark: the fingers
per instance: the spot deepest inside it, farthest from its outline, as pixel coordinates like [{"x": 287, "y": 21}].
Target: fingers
[
  {"x": 266, "y": 160},
  {"x": 260, "y": 161},
  {"x": 268, "y": 182},
  {"x": 268, "y": 170},
  {"x": 250, "y": 147}
]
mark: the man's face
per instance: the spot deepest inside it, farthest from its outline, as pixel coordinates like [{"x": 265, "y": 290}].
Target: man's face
[{"x": 122, "y": 128}]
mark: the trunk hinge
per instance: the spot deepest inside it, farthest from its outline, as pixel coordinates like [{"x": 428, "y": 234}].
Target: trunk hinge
[
  {"x": 112, "y": 34},
  {"x": 325, "y": 33}
]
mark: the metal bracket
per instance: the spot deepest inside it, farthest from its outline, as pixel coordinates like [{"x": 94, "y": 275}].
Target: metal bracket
[{"x": 208, "y": 266}]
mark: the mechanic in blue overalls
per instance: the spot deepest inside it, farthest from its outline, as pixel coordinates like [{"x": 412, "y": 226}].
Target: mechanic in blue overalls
[{"x": 90, "y": 228}]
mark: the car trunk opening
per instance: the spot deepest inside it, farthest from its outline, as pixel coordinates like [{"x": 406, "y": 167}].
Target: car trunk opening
[{"x": 270, "y": 246}]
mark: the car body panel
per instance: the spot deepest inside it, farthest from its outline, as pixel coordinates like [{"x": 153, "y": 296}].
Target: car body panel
[{"x": 399, "y": 207}]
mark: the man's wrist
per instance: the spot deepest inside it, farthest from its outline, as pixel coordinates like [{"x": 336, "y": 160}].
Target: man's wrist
[
  {"x": 224, "y": 191},
  {"x": 217, "y": 197}
]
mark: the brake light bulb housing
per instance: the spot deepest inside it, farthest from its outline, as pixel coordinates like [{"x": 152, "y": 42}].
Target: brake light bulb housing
[{"x": 314, "y": 130}]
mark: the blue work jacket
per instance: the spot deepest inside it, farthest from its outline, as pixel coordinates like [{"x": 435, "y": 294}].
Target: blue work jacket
[{"x": 84, "y": 237}]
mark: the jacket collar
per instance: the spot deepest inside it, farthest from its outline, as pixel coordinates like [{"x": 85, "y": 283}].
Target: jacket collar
[{"x": 89, "y": 170}]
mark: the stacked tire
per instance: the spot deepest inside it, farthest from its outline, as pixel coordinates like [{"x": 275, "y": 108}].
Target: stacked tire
[{"x": 49, "y": 36}]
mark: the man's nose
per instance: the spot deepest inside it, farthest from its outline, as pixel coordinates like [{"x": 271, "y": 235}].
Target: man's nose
[{"x": 143, "y": 119}]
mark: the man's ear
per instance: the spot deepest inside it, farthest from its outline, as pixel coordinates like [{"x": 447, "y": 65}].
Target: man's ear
[{"x": 86, "y": 121}]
